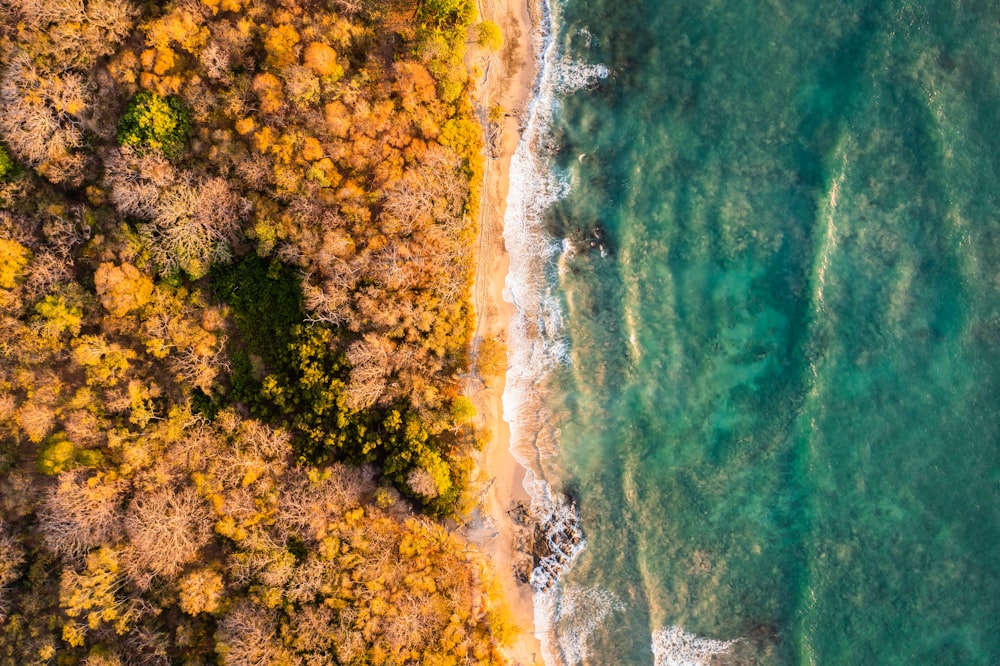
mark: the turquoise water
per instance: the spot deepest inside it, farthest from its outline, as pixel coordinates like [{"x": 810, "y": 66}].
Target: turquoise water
[{"x": 763, "y": 323}]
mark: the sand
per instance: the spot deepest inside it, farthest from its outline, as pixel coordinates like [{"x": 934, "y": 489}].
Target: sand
[{"x": 508, "y": 79}]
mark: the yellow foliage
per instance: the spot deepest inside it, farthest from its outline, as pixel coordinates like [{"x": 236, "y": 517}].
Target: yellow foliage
[
  {"x": 73, "y": 633},
  {"x": 91, "y": 594},
  {"x": 279, "y": 42},
  {"x": 245, "y": 125},
  {"x": 312, "y": 150},
  {"x": 338, "y": 119},
  {"x": 36, "y": 420},
  {"x": 223, "y": 5},
  {"x": 201, "y": 591},
  {"x": 13, "y": 258},
  {"x": 105, "y": 362},
  {"x": 263, "y": 139},
  {"x": 181, "y": 27},
  {"x": 58, "y": 316},
  {"x": 322, "y": 60},
  {"x": 227, "y": 527},
  {"x": 165, "y": 59},
  {"x": 122, "y": 289},
  {"x": 269, "y": 91}
]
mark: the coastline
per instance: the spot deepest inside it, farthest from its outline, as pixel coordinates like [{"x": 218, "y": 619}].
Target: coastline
[{"x": 508, "y": 80}]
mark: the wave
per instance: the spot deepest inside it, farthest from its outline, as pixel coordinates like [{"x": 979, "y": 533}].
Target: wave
[
  {"x": 573, "y": 616},
  {"x": 672, "y": 646},
  {"x": 537, "y": 345}
]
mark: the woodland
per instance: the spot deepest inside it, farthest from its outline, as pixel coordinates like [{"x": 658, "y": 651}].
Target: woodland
[{"x": 235, "y": 265}]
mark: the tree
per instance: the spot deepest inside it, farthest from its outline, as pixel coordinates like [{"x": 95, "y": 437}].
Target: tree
[
  {"x": 201, "y": 591},
  {"x": 41, "y": 117},
  {"x": 105, "y": 362},
  {"x": 166, "y": 529},
  {"x": 431, "y": 477},
  {"x": 14, "y": 257},
  {"x": 81, "y": 512},
  {"x": 280, "y": 42},
  {"x": 322, "y": 60},
  {"x": 7, "y": 166},
  {"x": 371, "y": 363},
  {"x": 93, "y": 596},
  {"x": 447, "y": 13},
  {"x": 248, "y": 636},
  {"x": 152, "y": 122},
  {"x": 193, "y": 226},
  {"x": 491, "y": 358},
  {"x": 488, "y": 36},
  {"x": 11, "y": 559},
  {"x": 462, "y": 410},
  {"x": 122, "y": 289}
]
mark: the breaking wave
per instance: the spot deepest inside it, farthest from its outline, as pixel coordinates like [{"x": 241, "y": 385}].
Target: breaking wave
[
  {"x": 573, "y": 615},
  {"x": 536, "y": 346},
  {"x": 672, "y": 646}
]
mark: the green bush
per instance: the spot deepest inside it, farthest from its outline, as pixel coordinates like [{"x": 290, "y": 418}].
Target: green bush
[
  {"x": 7, "y": 166},
  {"x": 59, "y": 454},
  {"x": 266, "y": 303},
  {"x": 155, "y": 123}
]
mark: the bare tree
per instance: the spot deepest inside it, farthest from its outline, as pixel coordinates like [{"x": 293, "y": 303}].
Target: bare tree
[
  {"x": 306, "y": 507},
  {"x": 167, "y": 528},
  {"x": 199, "y": 364},
  {"x": 371, "y": 360},
  {"x": 79, "y": 513},
  {"x": 248, "y": 636},
  {"x": 11, "y": 559},
  {"x": 435, "y": 191},
  {"x": 191, "y": 223},
  {"x": 41, "y": 117}
]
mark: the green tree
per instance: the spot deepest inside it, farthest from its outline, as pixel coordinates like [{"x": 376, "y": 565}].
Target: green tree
[
  {"x": 155, "y": 123},
  {"x": 7, "y": 166}
]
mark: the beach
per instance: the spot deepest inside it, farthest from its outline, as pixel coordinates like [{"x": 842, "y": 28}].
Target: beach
[{"x": 507, "y": 80}]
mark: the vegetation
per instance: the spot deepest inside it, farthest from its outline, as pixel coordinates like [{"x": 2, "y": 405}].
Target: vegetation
[
  {"x": 234, "y": 274},
  {"x": 7, "y": 166},
  {"x": 488, "y": 36},
  {"x": 154, "y": 123}
]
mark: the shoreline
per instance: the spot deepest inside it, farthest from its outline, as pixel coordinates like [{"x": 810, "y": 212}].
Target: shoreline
[{"x": 508, "y": 80}]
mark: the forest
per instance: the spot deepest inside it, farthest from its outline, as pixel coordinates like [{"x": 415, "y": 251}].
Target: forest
[{"x": 236, "y": 256}]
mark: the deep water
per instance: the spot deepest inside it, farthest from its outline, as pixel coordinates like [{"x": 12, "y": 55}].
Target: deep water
[{"x": 776, "y": 396}]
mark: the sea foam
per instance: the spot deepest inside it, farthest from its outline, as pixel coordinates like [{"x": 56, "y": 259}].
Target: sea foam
[
  {"x": 573, "y": 615},
  {"x": 672, "y": 646},
  {"x": 537, "y": 346}
]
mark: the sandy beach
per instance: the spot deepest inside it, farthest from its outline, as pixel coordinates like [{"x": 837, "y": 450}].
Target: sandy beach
[{"x": 507, "y": 80}]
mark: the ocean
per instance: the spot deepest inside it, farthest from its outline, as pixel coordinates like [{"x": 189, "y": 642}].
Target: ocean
[{"x": 755, "y": 258}]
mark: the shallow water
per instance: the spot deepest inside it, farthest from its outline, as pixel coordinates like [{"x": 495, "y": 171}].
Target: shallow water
[{"x": 756, "y": 266}]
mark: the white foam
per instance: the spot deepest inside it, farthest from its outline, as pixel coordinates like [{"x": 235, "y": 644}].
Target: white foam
[
  {"x": 559, "y": 522},
  {"x": 829, "y": 243},
  {"x": 537, "y": 342},
  {"x": 672, "y": 646},
  {"x": 572, "y": 615}
]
